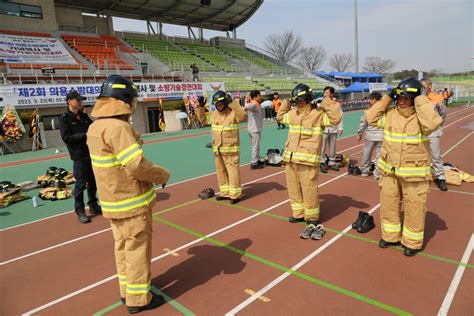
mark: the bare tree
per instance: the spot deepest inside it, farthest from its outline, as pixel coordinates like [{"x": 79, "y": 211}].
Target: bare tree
[
  {"x": 378, "y": 65},
  {"x": 284, "y": 47},
  {"x": 341, "y": 62},
  {"x": 311, "y": 58}
]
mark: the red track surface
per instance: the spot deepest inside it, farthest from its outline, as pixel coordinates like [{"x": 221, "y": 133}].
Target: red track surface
[{"x": 211, "y": 280}]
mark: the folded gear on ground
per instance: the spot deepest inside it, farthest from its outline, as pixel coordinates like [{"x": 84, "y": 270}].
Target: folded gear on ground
[
  {"x": 54, "y": 194},
  {"x": 455, "y": 176},
  {"x": 10, "y": 193}
]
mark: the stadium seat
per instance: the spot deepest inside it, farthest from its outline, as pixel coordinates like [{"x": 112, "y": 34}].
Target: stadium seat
[
  {"x": 236, "y": 84},
  {"x": 242, "y": 53},
  {"x": 175, "y": 57},
  {"x": 101, "y": 51}
]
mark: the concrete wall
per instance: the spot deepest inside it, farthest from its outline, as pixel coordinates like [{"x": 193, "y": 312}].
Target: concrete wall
[
  {"x": 47, "y": 24},
  {"x": 103, "y": 25},
  {"x": 66, "y": 16}
]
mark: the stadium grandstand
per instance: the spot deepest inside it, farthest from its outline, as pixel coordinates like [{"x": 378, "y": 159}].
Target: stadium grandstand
[{"x": 51, "y": 46}]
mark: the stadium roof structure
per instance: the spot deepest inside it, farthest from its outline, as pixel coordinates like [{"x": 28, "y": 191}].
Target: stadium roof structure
[{"x": 219, "y": 15}]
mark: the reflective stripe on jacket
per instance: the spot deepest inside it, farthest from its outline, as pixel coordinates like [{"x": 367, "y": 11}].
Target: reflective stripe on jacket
[
  {"x": 306, "y": 127},
  {"x": 405, "y": 149},
  {"x": 124, "y": 176},
  {"x": 225, "y": 129}
]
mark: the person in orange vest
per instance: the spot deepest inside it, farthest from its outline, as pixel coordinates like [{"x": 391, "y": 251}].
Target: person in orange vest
[
  {"x": 303, "y": 154},
  {"x": 276, "y": 106},
  {"x": 446, "y": 96},
  {"x": 226, "y": 145},
  {"x": 125, "y": 181},
  {"x": 404, "y": 163}
]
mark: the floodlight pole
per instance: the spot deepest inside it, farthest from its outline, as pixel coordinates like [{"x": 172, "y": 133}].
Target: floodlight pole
[{"x": 356, "y": 38}]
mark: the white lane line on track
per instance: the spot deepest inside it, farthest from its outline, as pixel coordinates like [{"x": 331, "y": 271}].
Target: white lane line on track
[
  {"x": 448, "y": 299},
  {"x": 282, "y": 277}
]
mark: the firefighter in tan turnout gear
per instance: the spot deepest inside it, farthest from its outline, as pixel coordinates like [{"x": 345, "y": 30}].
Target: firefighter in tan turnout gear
[
  {"x": 125, "y": 184},
  {"x": 226, "y": 145},
  {"x": 404, "y": 163},
  {"x": 303, "y": 154}
]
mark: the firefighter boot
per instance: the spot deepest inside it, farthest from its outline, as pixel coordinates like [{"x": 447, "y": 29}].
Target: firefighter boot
[
  {"x": 156, "y": 301},
  {"x": 366, "y": 225},
  {"x": 83, "y": 218}
]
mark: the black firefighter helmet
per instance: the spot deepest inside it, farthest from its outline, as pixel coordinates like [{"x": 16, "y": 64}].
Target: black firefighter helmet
[
  {"x": 119, "y": 88},
  {"x": 221, "y": 97},
  {"x": 409, "y": 88},
  {"x": 301, "y": 92}
]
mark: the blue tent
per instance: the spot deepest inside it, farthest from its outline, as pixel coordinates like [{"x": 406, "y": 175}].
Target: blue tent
[
  {"x": 359, "y": 87},
  {"x": 351, "y": 76}
]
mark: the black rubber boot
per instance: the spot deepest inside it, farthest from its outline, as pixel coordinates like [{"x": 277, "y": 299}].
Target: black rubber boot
[
  {"x": 350, "y": 170},
  {"x": 441, "y": 183},
  {"x": 294, "y": 220},
  {"x": 156, "y": 301},
  {"x": 386, "y": 244},
  {"x": 323, "y": 168},
  {"x": 360, "y": 218},
  {"x": 409, "y": 252},
  {"x": 356, "y": 171},
  {"x": 82, "y": 217},
  {"x": 221, "y": 198},
  {"x": 95, "y": 209},
  {"x": 234, "y": 201},
  {"x": 366, "y": 225},
  {"x": 256, "y": 165}
]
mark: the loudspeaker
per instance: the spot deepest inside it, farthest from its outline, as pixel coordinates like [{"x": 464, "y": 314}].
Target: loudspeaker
[{"x": 206, "y": 2}]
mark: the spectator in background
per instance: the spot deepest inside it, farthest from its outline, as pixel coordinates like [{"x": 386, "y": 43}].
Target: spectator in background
[
  {"x": 330, "y": 136},
  {"x": 451, "y": 95},
  {"x": 3, "y": 71},
  {"x": 446, "y": 96},
  {"x": 435, "y": 137},
  {"x": 254, "y": 126},
  {"x": 73, "y": 126},
  {"x": 276, "y": 107},
  {"x": 267, "y": 106},
  {"x": 372, "y": 141},
  {"x": 195, "y": 71}
]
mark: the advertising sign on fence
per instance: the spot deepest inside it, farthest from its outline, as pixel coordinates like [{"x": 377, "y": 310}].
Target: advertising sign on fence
[
  {"x": 33, "y": 50},
  {"x": 36, "y": 96}
]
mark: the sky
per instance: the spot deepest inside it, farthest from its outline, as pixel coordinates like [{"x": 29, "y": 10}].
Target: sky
[{"x": 417, "y": 34}]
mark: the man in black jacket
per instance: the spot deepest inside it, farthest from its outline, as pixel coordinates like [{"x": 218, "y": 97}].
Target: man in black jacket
[{"x": 74, "y": 125}]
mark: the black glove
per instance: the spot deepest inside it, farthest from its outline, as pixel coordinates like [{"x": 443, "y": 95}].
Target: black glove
[
  {"x": 392, "y": 93},
  {"x": 229, "y": 98}
]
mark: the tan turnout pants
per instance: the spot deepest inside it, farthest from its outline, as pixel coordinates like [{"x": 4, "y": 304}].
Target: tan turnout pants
[
  {"x": 413, "y": 195},
  {"x": 133, "y": 257},
  {"x": 228, "y": 175},
  {"x": 302, "y": 183}
]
